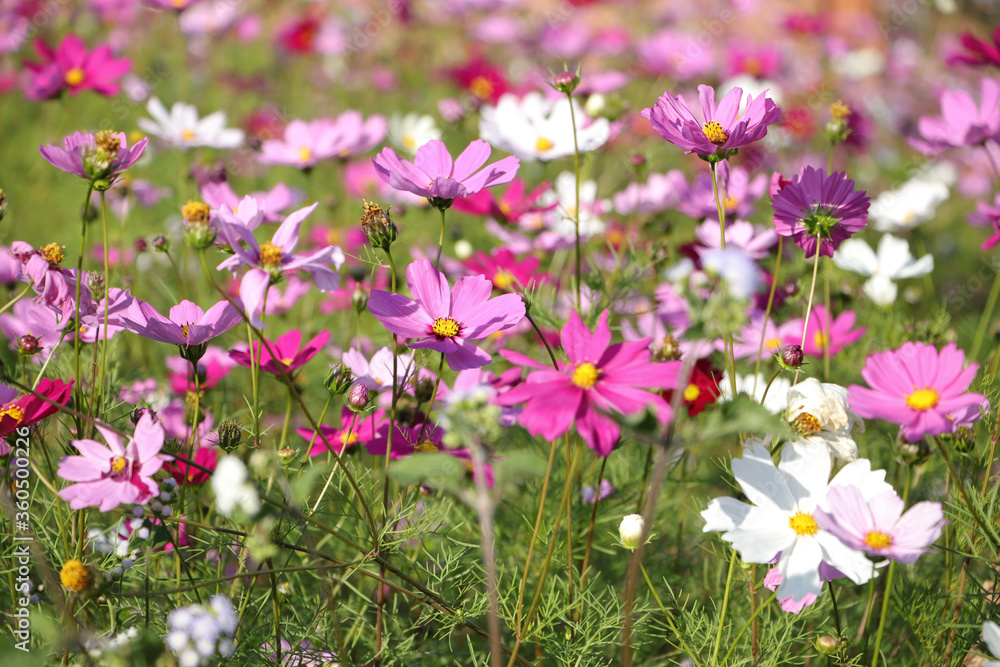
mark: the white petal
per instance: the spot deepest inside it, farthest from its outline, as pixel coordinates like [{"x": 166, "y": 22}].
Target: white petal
[
  {"x": 805, "y": 466},
  {"x": 881, "y": 290},
  {"x": 991, "y": 635},
  {"x": 799, "y": 569},
  {"x": 852, "y": 563},
  {"x": 723, "y": 514},
  {"x": 763, "y": 485},
  {"x": 855, "y": 255},
  {"x": 761, "y": 535}
]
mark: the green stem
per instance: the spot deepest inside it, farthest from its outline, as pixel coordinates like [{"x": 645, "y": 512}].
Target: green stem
[
  {"x": 809, "y": 303},
  {"x": 437, "y": 261},
  {"x": 725, "y": 607},
  {"x": 288, "y": 418},
  {"x": 347, "y": 439},
  {"x": 984, "y": 320},
  {"x": 964, "y": 494},
  {"x": 107, "y": 285},
  {"x": 670, "y": 620},
  {"x": 576, "y": 211},
  {"x": 77, "y": 388},
  {"x": 728, "y": 337},
  {"x": 746, "y": 625}
]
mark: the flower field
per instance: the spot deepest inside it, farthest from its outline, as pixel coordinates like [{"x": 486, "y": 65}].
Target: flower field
[{"x": 488, "y": 332}]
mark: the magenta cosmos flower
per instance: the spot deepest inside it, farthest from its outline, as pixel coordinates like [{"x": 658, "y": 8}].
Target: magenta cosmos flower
[
  {"x": 918, "y": 387},
  {"x": 443, "y": 319},
  {"x": 878, "y": 526},
  {"x": 71, "y": 67},
  {"x": 107, "y": 476},
  {"x": 342, "y": 436},
  {"x": 962, "y": 121},
  {"x": 722, "y": 131},
  {"x": 270, "y": 261},
  {"x": 282, "y": 354},
  {"x": 435, "y": 176},
  {"x": 815, "y": 205},
  {"x": 978, "y": 52},
  {"x": 100, "y": 157},
  {"x": 20, "y": 411},
  {"x": 188, "y": 327},
  {"x": 599, "y": 377},
  {"x": 823, "y": 332}
]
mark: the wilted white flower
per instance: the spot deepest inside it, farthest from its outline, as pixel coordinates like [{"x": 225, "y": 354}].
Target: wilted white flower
[
  {"x": 232, "y": 488},
  {"x": 182, "y": 128},
  {"x": 630, "y": 531},
  {"x": 892, "y": 261},
  {"x": 818, "y": 412}
]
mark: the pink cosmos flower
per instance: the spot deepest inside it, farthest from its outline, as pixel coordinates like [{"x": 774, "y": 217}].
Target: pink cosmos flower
[
  {"x": 434, "y": 175},
  {"x": 737, "y": 189},
  {"x": 342, "y": 436},
  {"x": 962, "y": 121},
  {"x": 878, "y": 526},
  {"x": 659, "y": 193},
  {"x": 103, "y": 156},
  {"x": 446, "y": 320},
  {"x": 598, "y": 377},
  {"x": 918, "y": 387},
  {"x": 286, "y": 353},
  {"x": 188, "y": 326},
  {"x": 213, "y": 366},
  {"x": 509, "y": 207},
  {"x": 271, "y": 260},
  {"x": 173, "y": 5},
  {"x": 55, "y": 285},
  {"x": 814, "y": 204},
  {"x": 978, "y": 52},
  {"x": 270, "y": 203},
  {"x": 20, "y": 411},
  {"x": 987, "y": 215},
  {"x": 740, "y": 234},
  {"x": 307, "y": 143},
  {"x": 822, "y": 332},
  {"x": 184, "y": 473},
  {"x": 107, "y": 476},
  {"x": 723, "y": 129},
  {"x": 71, "y": 67},
  {"x": 505, "y": 271}
]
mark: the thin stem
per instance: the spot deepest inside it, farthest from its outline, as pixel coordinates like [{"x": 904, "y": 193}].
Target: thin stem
[
  {"x": 963, "y": 493},
  {"x": 746, "y": 625},
  {"x": 20, "y": 295},
  {"x": 576, "y": 210},
  {"x": 437, "y": 261},
  {"x": 984, "y": 320},
  {"x": 107, "y": 284},
  {"x": 77, "y": 387},
  {"x": 809, "y": 304},
  {"x": 485, "y": 507},
  {"x": 288, "y": 419},
  {"x": 347, "y": 439},
  {"x": 670, "y": 620},
  {"x": 725, "y": 607},
  {"x": 593, "y": 520},
  {"x": 548, "y": 348},
  {"x": 767, "y": 311},
  {"x": 728, "y": 337}
]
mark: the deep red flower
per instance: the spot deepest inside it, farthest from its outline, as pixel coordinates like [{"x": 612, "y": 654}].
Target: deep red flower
[
  {"x": 24, "y": 410},
  {"x": 978, "y": 52},
  {"x": 484, "y": 80}
]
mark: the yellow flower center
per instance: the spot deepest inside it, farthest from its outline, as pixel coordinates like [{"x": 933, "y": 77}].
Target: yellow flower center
[
  {"x": 184, "y": 330},
  {"x": 773, "y": 344},
  {"x": 543, "y": 145},
  {"x": 878, "y": 540},
  {"x": 504, "y": 208},
  {"x": 585, "y": 376},
  {"x": 445, "y": 327},
  {"x": 922, "y": 399},
  {"x": 74, "y": 575},
  {"x": 731, "y": 202},
  {"x": 179, "y": 4},
  {"x": 53, "y": 253},
  {"x": 481, "y": 87},
  {"x": 426, "y": 446},
  {"x": 187, "y": 134},
  {"x": 691, "y": 393},
  {"x": 614, "y": 237},
  {"x": 714, "y": 133},
  {"x": 287, "y": 361},
  {"x": 502, "y": 279},
  {"x": 305, "y": 154},
  {"x": 803, "y": 524},
  {"x": 347, "y": 440},
  {"x": 821, "y": 340},
  {"x": 839, "y": 110},
  {"x": 75, "y": 77},
  {"x": 806, "y": 424},
  {"x": 118, "y": 464},
  {"x": 196, "y": 211},
  {"x": 409, "y": 143},
  {"x": 14, "y": 412},
  {"x": 270, "y": 254}
]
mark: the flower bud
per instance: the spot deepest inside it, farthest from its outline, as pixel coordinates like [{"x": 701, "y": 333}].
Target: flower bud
[
  {"x": 670, "y": 349},
  {"x": 27, "y": 345},
  {"x": 359, "y": 300},
  {"x": 630, "y": 531},
  {"x": 97, "y": 285},
  {"x": 792, "y": 356},
  {"x": 424, "y": 390},
  {"x": 74, "y": 575},
  {"x": 338, "y": 380},
  {"x": 140, "y": 245},
  {"x": 837, "y": 129},
  {"x": 827, "y": 645},
  {"x": 637, "y": 160},
  {"x": 286, "y": 455},
  {"x": 139, "y": 413},
  {"x": 230, "y": 434},
  {"x": 358, "y": 397},
  {"x": 161, "y": 244},
  {"x": 566, "y": 82},
  {"x": 378, "y": 225}
]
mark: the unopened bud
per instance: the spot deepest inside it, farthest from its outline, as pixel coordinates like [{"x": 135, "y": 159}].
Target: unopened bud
[
  {"x": 27, "y": 345},
  {"x": 378, "y": 225},
  {"x": 140, "y": 245},
  {"x": 358, "y": 397},
  {"x": 359, "y": 299},
  {"x": 827, "y": 645},
  {"x": 637, "y": 160},
  {"x": 630, "y": 531},
  {"x": 230, "y": 434},
  {"x": 139, "y": 413},
  {"x": 96, "y": 283},
  {"x": 670, "y": 349},
  {"x": 161, "y": 244},
  {"x": 566, "y": 82},
  {"x": 792, "y": 356},
  {"x": 286, "y": 455},
  {"x": 338, "y": 380}
]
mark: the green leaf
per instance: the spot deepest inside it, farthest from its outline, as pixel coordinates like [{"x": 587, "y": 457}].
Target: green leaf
[{"x": 517, "y": 467}]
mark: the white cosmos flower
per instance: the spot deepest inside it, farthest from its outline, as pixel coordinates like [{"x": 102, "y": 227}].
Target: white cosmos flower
[
  {"x": 538, "y": 128},
  {"x": 753, "y": 386},
  {"x": 991, "y": 635},
  {"x": 780, "y": 518},
  {"x": 914, "y": 203},
  {"x": 182, "y": 128},
  {"x": 410, "y": 132},
  {"x": 892, "y": 261},
  {"x": 819, "y": 413},
  {"x": 561, "y": 219},
  {"x": 232, "y": 488}
]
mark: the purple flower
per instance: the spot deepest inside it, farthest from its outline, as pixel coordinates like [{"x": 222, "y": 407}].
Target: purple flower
[
  {"x": 878, "y": 526},
  {"x": 723, "y": 130},
  {"x": 813, "y": 204},
  {"x": 962, "y": 121},
  {"x": 189, "y": 327},
  {"x": 94, "y": 157},
  {"x": 107, "y": 476},
  {"x": 443, "y": 319},
  {"x": 434, "y": 175},
  {"x": 271, "y": 260}
]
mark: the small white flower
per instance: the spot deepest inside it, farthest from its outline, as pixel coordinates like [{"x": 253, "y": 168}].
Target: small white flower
[
  {"x": 410, "y": 132},
  {"x": 538, "y": 128},
  {"x": 561, "y": 219},
  {"x": 232, "y": 488},
  {"x": 776, "y": 401},
  {"x": 819, "y": 413},
  {"x": 182, "y": 128},
  {"x": 891, "y": 262},
  {"x": 914, "y": 203},
  {"x": 630, "y": 531}
]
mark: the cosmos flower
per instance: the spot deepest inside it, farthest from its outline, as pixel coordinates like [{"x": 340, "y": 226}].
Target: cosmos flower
[
  {"x": 824, "y": 331},
  {"x": 891, "y": 262},
  {"x": 105, "y": 476},
  {"x": 912, "y": 204},
  {"x": 722, "y": 131},
  {"x": 434, "y": 175},
  {"x": 306, "y": 143},
  {"x": 597, "y": 377},
  {"x": 410, "y": 132},
  {"x": 659, "y": 193},
  {"x": 100, "y": 157},
  {"x": 446, "y": 320},
  {"x": 816, "y": 205},
  {"x": 918, "y": 387},
  {"x": 188, "y": 326},
  {"x": 508, "y": 208},
  {"x": 342, "y": 436},
  {"x": 70, "y": 67},
  {"x": 978, "y": 52},
  {"x": 963, "y": 122},
  {"x": 819, "y": 413},
  {"x": 282, "y": 354},
  {"x": 776, "y": 399},
  {"x": 181, "y": 127},
  {"x": 23, "y": 410}
]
